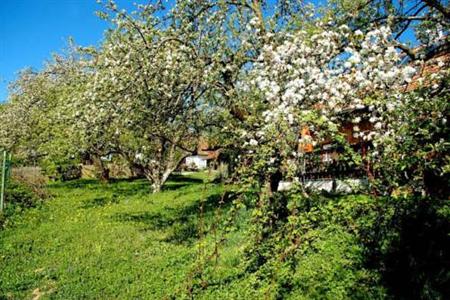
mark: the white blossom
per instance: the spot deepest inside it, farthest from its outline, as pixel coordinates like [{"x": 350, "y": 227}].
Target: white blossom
[{"x": 253, "y": 142}]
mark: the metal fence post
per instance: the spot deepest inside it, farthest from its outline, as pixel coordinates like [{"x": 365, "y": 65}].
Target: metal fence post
[{"x": 2, "y": 195}]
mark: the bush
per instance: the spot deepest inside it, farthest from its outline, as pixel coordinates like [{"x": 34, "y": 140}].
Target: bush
[
  {"x": 68, "y": 172},
  {"x": 33, "y": 178},
  {"x": 61, "y": 169},
  {"x": 332, "y": 267},
  {"x": 354, "y": 247},
  {"x": 19, "y": 196}
]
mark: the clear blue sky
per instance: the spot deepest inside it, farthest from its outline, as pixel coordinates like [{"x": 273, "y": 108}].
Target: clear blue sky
[{"x": 30, "y": 30}]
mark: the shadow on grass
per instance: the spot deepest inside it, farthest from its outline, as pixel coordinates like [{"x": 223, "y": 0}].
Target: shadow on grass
[
  {"x": 184, "y": 178},
  {"x": 181, "y": 223},
  {"x": 100, "y": 201},
  {"x": 177, "y": 181},
  {"x": 121, "y": 188},
  {"x": 175, "y": 186},
  {"x": 74, "y": 184},
  {"x": 127, "y": 186}
]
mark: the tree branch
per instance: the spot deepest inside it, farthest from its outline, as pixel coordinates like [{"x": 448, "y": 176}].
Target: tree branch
[{"x": 438, "y": 6}]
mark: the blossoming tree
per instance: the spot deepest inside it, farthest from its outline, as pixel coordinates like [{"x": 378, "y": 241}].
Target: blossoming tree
[
  {"x": 146, "y": 93},
  {"x": 36, "y": 122},
  {"x": 307, "y": 80}
]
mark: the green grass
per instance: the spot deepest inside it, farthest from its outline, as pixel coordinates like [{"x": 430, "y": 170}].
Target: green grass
[
  {"x": 116, "y": 241},
  {"x": 119, "y": 241}
]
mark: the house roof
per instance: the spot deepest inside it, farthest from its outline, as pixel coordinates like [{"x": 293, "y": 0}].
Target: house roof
[{"x": 433, "y": 65}]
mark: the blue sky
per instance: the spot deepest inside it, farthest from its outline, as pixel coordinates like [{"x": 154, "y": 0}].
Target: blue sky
[{"x": 30, "y": 30}]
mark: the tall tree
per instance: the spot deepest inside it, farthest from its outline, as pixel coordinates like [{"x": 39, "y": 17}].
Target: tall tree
[{"x": 148, "y": 88}]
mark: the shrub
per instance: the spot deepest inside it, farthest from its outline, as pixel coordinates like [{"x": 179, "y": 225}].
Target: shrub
[
  {"x": 332, "y": 267},
  {"x": 33, "y": 178},
  {"x": 353, "y": 247},
  {"x": 68, "y": 172},
  {"x": 61, "y": 169},
  {"x": 20, "y": 196}
]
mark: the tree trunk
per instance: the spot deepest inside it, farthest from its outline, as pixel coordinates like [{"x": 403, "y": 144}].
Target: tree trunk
[
  {"x": 158, "y": 178},
  {"x": 159, "y": 181},
  {"x": 155, "y": 180},
  {"x": 156, "y": 187},
  {"x": 271, "y": 183},
  {"x": 104, "y": 176},
  {"x": 165, "y": 176},
  {"x": 148, "y": 174}
]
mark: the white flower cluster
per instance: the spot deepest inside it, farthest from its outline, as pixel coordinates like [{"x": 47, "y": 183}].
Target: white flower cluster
[{"x": 330, "y": 71}]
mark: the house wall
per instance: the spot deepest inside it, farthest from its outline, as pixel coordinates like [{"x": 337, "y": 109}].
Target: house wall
[
  {"x": 345, "y": 186},
  {"x": 198, "y": 161}
]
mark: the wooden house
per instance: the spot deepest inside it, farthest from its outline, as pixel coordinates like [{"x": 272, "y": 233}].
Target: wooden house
[{"x": 322, "y": 161}]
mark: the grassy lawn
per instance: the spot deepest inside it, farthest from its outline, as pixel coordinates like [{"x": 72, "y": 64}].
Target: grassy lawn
[
  {"x": 118, "y": 241},
  {"x": 115, "y": 241}
]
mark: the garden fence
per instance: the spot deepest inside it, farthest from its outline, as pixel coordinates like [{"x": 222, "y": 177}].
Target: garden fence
[{"x": 5, "y": 174}]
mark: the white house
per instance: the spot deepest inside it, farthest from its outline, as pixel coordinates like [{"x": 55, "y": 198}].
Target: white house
[
  {"x": 329, "y": 185},
  {"x": 198, "y": 162}
]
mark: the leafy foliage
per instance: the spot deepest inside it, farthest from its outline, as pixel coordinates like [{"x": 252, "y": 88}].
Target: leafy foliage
[
  {"x": 18, "y": 197},
  {"x": 414, "y": 154},
  {"x": 350, "y": 247}
]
